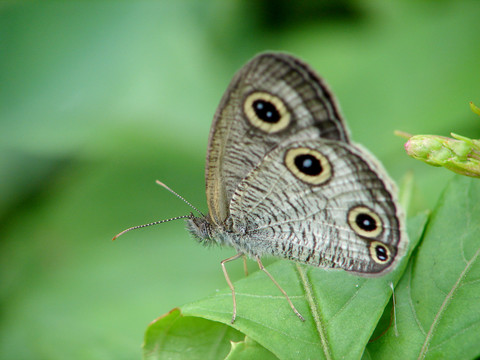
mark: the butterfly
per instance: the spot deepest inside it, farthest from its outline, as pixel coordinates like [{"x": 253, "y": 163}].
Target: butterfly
[{"x": 284, "y": 179}]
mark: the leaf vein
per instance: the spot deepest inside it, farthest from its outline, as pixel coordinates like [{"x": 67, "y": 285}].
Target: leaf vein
[
  {"x": 443, "y": 307},
  {"x": 354, "y": 295},
  {"x": 410, "y": 300},
  {"x": 321, "y": 331}
]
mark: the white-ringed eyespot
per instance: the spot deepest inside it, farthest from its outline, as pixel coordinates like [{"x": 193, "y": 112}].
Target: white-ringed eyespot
[
  {"x": 308, "y": 165},
  {"x": 266, "y": 112}
]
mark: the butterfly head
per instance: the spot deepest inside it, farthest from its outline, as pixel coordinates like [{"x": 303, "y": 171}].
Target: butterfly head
[{"x": 200, "y": 227}]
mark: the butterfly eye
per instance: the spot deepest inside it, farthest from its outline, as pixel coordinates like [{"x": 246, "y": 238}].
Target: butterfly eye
[
  {"x": 379, "y": 252},
  {"x": 308, "y": 165},
  {"x": 364, "y": 221},
  {"x": 266, "y": 112}
]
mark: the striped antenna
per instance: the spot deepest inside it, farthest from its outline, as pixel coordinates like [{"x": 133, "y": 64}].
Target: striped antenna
[
  {"x": 153, "y": 223},
  {"x": 163, "y": 221},
  {"x": 179, "y": 196}
]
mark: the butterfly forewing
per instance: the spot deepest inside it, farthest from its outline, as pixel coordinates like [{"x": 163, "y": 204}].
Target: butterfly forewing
[{"x": 272, "y": 98}]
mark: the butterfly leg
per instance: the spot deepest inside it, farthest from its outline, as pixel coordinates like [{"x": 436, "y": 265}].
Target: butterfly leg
[
  {"x": 245, "y": 268},
  {"x": 234, "y": 315},
  {"x": 280, "y": 288}
]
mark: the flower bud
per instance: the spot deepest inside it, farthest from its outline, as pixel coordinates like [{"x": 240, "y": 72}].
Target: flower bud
[{"x": 460, "y": 154}]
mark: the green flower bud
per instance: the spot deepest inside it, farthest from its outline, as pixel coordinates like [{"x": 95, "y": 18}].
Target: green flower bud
[{"x": 460, "y": 154}]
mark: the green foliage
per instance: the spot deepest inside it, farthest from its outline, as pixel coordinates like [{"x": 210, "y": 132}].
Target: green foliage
[
  {"x": 435, "y": 310},
  {"x": 98, "y": 99},
  {"x": 437, "y": 298}
]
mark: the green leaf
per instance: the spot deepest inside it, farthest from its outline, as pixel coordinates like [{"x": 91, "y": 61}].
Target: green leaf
[
  {"x": 174, "y": 336},
  {"x": 438, "y": 297},
  {"x": 341, "y": 310}
]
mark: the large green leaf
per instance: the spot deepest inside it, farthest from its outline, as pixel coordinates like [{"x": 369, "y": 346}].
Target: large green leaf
[
  {"x": 341, "y": 310},
  {"x": 438, "y": 313}
]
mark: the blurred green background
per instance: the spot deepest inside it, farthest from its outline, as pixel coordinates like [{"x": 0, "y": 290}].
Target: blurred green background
[{"x": 99, "y": 99}]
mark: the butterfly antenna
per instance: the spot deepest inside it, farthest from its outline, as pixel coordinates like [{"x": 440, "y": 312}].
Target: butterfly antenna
[
  {"x": 153, "y": 223},
  {"x": 179, "y": 196}
]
